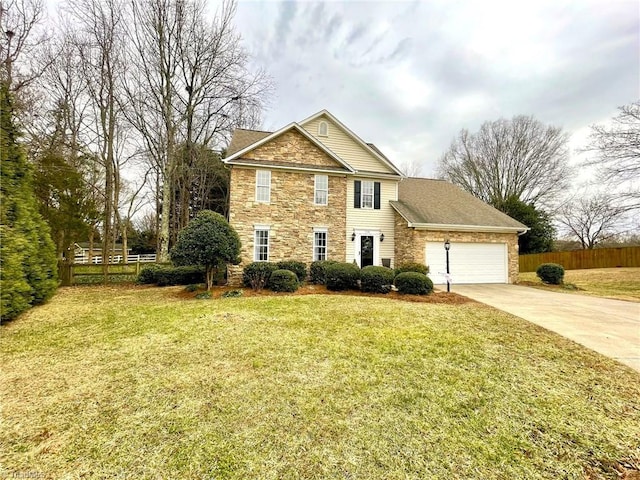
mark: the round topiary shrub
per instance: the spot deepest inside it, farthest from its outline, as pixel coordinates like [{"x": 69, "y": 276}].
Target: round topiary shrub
[
  {"x": 342, "y": 276},
  {"x": 283, "y": 281},
  {"x": 376, "y": 279},
  {"x": 414, "y": 283},
  {"x": 256, "y": 275},
  {"x": 412, "y": 267},
  {"x": 551, "y": 273},
  {"x": 317, "y": 271},
  {"x": 299, "y": 268}
]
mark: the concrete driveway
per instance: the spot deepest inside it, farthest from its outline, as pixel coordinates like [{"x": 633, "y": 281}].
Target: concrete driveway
[{"x": 610, "y": 327}]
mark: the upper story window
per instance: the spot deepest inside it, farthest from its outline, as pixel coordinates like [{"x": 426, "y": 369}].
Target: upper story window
[
  {"x": 261, "y": 243},
  {"x": 263, "y": 186},
  {"x": 321, "y": 190},
  {"x": 323, "y": 129},
  {"x": 366, "y": 194}
]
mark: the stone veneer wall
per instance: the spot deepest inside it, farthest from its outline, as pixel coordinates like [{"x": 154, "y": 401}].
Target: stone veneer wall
[
  {"x": 410, "y": 243},
  {"x": 291, "y": 215},
  {"x": 292, "y": 147}
]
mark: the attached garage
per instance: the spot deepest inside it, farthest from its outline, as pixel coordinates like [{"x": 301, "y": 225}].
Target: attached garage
[
  {"x": 468, "y": 262},
  {"x": 484, "y": 241}
]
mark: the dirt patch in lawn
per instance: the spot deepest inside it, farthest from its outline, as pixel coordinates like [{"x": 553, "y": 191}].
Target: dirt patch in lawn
[{"x": 435, "y": 297}]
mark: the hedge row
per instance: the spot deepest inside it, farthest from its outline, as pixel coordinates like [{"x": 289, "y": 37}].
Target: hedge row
[
  {"x": 168, "y": 275},
  {"x": 337, "y": 276}
]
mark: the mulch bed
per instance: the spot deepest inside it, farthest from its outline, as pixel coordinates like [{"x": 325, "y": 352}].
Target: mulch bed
[{"x": 435, "y": 297}]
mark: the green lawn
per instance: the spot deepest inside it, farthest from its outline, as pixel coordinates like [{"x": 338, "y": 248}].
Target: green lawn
[
  {"x": 618, "y": 283},
  {"x": 137, "y": 383}
]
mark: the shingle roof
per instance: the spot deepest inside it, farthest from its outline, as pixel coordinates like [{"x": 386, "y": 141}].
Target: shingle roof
[
  {"x": 438, "y": 202},
  {"x": 243, "y": 138}
]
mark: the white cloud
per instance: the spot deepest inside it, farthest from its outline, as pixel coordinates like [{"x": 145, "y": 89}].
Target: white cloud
[{"x": 409, "y": 75}]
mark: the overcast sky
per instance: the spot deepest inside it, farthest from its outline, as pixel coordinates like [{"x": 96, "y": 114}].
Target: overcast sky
[{"x": 408, "y": 76}]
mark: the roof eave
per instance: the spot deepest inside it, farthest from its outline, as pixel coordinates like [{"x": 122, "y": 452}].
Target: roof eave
[
  {"x": 467, "y": 228},
  {"x": 301, "y": 168}
]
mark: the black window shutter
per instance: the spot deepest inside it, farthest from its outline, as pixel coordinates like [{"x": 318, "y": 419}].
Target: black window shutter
[
  {"x": 356, "y": 194},
  {"x": 376, "y": 195}
]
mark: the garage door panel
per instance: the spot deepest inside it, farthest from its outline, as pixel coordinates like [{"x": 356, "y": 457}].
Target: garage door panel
[{"x": 468, "y": 262}]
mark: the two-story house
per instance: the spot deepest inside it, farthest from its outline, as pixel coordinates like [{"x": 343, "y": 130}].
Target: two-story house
[{"x": 314, "y": 190}]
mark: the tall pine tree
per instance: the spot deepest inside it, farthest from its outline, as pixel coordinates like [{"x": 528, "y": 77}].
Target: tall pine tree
[{"x": 28, "y": 270}]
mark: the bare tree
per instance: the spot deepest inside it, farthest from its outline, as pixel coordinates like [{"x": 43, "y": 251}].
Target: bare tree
[
  {"x": 520, "y": 158},
  {"x": 20, "y": 38},
  {"x": 189, "y": 85},
  {"x": 592, "y": 219},
  {"x": 98, "y": 40},
  {"x": 617, "y": 147},
  {"x": 411, "y": 168}
]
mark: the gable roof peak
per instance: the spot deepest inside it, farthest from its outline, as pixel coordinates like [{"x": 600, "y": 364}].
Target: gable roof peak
[{"x": 368, "y": 147}]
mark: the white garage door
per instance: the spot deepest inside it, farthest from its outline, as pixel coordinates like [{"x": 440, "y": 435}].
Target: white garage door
[{"x": 468, "y": 262}]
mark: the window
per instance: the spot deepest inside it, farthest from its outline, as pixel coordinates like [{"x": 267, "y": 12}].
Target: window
[
  {"x": 321, "y": 190},
  {"x": 319, "y": 244},
  {"x": 367, "y": 194},
  {"x": 261, "y": 243},
  {"x": 263, "y": 186},
  {"x": 323, "y": 129}
]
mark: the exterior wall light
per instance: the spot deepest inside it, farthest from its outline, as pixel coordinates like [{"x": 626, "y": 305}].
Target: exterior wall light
[{"x": 382, "y": 237}]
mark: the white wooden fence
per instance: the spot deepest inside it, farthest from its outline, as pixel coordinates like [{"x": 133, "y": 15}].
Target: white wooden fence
[{"x": 115, "y": 259}]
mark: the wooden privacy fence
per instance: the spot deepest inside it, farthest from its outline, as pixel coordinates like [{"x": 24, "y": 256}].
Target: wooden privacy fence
[{"x": 577, "y": 259}]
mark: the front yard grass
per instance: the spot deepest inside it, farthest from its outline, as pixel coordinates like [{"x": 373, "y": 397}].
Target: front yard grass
[
  {"x": 618, "y": 283},
  {"x": 115, "y": 382}
]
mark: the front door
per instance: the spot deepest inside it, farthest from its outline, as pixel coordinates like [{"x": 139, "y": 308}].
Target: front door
[{"x": 366, "y": 250}]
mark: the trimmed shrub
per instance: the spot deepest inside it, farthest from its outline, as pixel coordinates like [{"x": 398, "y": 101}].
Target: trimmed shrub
[
  {"x": 194, "y": 287},
  {"x": 342, "y": 276},
  {"x": 166, "y": 276},
  {"x": 412, "y": 267},
  {"x": 256, "y": 275},
  {"x": 283, "y": 281},
  {"x": 208, "y": 241},
  {"x": 149, "y": 274},
  {"x": 317, "y": 271},
  {"x": 414, "y": 283},
  {"x": 299, "y": 268},
  {"x": 551, "y": 273},
  {"x": 204, "y": 295},
  {"x": 376, "y": 279}
]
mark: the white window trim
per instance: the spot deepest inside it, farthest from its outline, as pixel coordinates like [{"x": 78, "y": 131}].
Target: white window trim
[
  {"x": 324, "y": 230},
  {"x": 268, "y": 200},
  {"x": 373, "y": 194},
  {"x": 315, "y": 190},
  {"x": 261, "y": 228},
  {"x": 326, "y": 129}
]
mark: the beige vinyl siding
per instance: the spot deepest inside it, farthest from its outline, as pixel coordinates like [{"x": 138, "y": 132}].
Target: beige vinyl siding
[
  {"x": 372, "y": 219},
  {"x": 346, "y": 147}
]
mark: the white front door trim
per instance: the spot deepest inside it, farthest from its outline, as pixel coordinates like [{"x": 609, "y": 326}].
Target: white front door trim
[{"x": 376, "y": 245}]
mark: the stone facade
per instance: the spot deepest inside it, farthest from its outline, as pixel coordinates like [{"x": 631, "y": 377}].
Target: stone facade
[
  {"x": 291, "y": 215},
  {"x": 292, "y": 147},
  {"x": 410, "y": 243}
]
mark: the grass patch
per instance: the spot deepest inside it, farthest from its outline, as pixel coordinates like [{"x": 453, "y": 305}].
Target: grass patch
[
  {"x": 108, "y": 381},
  {"x": 618, "y": 283}
]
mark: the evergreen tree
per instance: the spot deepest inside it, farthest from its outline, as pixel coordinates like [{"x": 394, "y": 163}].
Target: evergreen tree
[
  {"x": 209, "y": 241},
  {"x": 28, "y": 270},
  {"x": 539, "y": 238}
]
